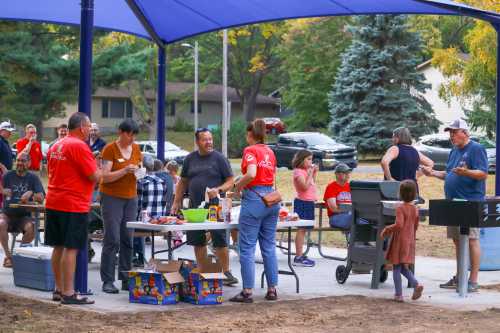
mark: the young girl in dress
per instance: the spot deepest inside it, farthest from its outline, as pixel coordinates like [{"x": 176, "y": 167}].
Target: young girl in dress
[
  {"x": 304, "y": 177},
  {"x": 401, "y": 251}
]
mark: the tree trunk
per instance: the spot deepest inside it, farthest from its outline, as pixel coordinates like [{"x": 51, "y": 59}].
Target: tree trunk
[{"x": 249, "y": 102}]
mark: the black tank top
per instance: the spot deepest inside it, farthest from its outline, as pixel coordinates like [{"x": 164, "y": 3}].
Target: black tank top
[{"x": 406, "y": 164}]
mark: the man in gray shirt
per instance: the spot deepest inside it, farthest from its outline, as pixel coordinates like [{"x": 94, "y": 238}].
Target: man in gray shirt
[{"x": 205, "y": 169}]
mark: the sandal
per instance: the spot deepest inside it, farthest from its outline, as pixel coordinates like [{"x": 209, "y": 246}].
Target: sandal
[
  {"x": 7, "y": 262},
  {"x": 242, "y": 297},
  {"x": 271, "y": 295},
  {"x": 73, "y": 299},
  {"x": 56, "y": 296},
  {"x": 399, "y": 298},
  {"x": 417, "y": 292}
]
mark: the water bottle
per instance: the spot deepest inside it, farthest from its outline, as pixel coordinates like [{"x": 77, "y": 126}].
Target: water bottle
[
  {"x": 145, "y": 218},
  {"x": 225, "y": 208}
]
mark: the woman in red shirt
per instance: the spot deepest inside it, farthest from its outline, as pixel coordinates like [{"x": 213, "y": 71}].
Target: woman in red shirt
[{"x": 257, "y": 222}]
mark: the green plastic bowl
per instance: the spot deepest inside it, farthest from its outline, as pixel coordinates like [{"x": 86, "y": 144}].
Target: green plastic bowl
[{"x": 195, "y": 215}]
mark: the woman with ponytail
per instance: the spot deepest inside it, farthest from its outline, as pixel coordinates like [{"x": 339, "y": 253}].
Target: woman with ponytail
[{"x": 257, "y": 221}]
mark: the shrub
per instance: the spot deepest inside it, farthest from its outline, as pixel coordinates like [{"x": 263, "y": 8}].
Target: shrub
[
  {"x": 236, "y": 139},
  {"x": 182, "y": 125}
]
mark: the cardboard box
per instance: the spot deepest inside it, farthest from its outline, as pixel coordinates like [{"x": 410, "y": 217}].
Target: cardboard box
[
  {"x": 203, "y": 288},
  {"x": 159, "y": 285}
]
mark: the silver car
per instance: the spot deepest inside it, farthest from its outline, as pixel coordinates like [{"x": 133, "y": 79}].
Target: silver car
[{"x": 438, "y": 146}]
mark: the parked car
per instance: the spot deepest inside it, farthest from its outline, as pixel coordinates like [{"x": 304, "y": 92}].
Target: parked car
[
  {"x": 172, "y": 152},
  {"x": 327, "y": 152},
  {"x": 274, "y": 125},
  {"x": 438, "y": 146}
]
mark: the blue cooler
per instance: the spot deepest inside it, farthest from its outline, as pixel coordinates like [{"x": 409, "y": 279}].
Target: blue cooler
[{"x": 32, "y": 268}]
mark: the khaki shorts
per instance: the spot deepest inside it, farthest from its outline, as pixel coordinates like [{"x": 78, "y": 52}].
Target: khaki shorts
[{"x": 454, "y": 233}]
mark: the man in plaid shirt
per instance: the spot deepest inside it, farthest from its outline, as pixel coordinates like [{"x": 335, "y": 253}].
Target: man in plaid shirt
[{"x": 155, "y": 197}]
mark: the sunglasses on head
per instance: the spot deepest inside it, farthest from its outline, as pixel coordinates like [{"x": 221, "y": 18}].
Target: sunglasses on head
[{"x": 201, "y": 130}]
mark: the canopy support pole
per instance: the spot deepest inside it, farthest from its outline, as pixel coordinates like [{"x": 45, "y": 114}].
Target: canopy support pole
[
  {"x": 86, "y": 31},
  {"x": 161, "y": 93},
  {"x": 497, "y": 136},
  {"x": 84, "y": 105}
]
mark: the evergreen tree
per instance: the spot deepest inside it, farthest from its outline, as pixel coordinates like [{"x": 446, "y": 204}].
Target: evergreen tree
[{"x": 378, "y": 88}]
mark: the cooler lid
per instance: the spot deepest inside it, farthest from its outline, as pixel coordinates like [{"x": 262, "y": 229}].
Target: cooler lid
[{"x": 38, "y": 252}]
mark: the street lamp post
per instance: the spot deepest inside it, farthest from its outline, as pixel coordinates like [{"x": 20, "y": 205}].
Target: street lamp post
[{"x": 195, "y": 56}]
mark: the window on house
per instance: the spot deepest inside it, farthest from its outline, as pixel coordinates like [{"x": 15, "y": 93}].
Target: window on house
[
  {"x": 170, "y": 107},
  {"x": 117, "y": 108},
  {"x": 199, "y": 107},
  {"x": 105, "y": 108}
]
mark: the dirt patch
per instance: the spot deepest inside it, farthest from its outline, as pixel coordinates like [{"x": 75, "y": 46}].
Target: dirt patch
[{"x": 353, "y": 313}]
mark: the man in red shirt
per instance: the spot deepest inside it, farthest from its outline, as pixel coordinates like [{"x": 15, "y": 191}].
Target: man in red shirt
[
  {"x": 339, "y": 192},
  {"x": 29, "y": 145},
  {"x": 72, "y": 174}
]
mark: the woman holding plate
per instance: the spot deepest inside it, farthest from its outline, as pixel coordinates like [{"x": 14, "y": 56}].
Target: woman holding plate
[{"x": 120, "y": 164}]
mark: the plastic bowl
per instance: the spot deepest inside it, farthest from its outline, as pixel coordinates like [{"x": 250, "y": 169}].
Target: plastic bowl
[{"x": 195, "y": 215}]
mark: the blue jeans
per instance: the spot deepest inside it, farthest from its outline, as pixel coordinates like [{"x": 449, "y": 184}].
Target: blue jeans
[
  {"x": 341, "y": 220},
  {"x": 258, "y": 222}
]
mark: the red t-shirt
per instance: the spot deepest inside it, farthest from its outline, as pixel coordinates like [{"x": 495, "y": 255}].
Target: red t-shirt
[
  {"x": 262, "y": 156},
  {"x": 342, "y": 194},
  {"x": 70, "y": 163},
  {"x": 35, "y": 152}
]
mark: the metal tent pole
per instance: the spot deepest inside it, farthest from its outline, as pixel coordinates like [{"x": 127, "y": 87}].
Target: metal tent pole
[
  {"x": 160, "y": 115},
  {"x": 84, "y": 105},
  {"x": 224, "y": 94},
  {"x": 85, "y": 83},
  {"x": 497, "y": 136}
]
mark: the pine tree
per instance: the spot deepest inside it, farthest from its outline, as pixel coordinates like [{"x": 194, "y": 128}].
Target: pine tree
[{"x": 378, "y": 88}]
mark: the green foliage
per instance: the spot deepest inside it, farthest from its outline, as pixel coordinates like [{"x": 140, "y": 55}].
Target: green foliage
[
  {"x": 182, "y": 125},
  {"x": 236, "y": 139},
  {"x": 311, "y": 56},
  {"x": 36, "y": 74},
  {"x": 377, "y": 87}
]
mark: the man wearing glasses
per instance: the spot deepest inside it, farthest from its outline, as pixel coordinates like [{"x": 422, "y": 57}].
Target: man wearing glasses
[{"x": 205, "y": 170}]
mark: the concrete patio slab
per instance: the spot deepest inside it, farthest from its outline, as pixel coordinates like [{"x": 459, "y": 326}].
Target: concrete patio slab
[{"x": 318, "y": 281}]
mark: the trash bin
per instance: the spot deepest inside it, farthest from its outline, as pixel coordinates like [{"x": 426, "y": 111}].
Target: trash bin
[{"x": 490, "y": 249}]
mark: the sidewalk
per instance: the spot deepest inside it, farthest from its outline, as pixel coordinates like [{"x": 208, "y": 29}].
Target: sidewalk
[{"x": 318, "y": 281}]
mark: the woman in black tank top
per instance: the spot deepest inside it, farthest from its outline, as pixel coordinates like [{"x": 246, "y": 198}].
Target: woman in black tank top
[{"x": 401, "y": 161}]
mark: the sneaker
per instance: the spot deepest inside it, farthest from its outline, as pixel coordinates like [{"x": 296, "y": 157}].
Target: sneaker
[
  {"x": 303, "y": 261},
  {"x": 452, "y": 284},
  {"x": 417, "y": 292},
  {"x": 230, "y": 279},
  {"x": 472, "y": 287},
  {"x": 399, "y": 298}
]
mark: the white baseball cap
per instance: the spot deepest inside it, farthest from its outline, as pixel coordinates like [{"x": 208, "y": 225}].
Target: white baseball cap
[
  {"x": 457, "y": 124},
  {"x": 6, "y": 125}
]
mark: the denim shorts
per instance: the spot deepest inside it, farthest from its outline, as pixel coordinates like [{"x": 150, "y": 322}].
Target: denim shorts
[{"x": 305, "y": 210}]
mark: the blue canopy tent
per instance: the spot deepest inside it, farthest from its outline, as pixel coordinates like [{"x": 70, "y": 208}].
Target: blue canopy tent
[{"x": 168, "y": 21}]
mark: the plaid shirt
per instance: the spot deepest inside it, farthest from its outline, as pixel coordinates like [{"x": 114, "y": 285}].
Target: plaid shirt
[{"x": 152, "y": 196}]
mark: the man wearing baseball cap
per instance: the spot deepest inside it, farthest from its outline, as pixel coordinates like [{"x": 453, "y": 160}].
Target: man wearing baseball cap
[
  {"x": 464, "y": 178},
  {"x": 6, "y": 157}
]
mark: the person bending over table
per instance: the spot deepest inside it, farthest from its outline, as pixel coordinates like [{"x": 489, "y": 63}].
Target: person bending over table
[
  {"x": 256, "y": 220},
  {"x": 204, "y": 169},
  {"x": 19, "y": 186},
  {"x": 120, "y": 160},
  {"x": 72, "y": 172},
  {"x": 464, "y": 178}
]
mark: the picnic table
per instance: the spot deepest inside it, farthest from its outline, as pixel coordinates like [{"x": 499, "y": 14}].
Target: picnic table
[{"x": 169, "y": 228}]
